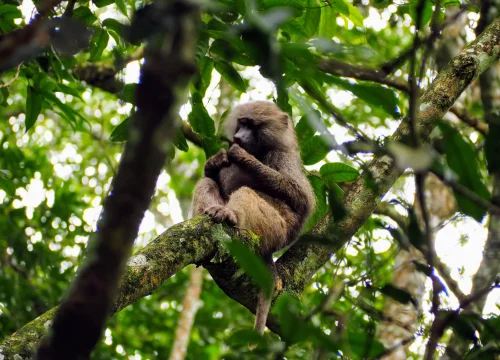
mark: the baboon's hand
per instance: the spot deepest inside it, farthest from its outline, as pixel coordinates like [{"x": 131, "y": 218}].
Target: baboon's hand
[
  {"x": 215, "y": 163},
  {"x": 237, "y": 154},
  {"x": 221, "y": 214}
]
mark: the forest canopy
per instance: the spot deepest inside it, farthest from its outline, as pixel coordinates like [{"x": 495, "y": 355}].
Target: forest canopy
[{"x": 110, "y": 108}]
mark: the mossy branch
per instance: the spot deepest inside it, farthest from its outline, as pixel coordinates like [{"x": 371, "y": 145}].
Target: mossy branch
[{"x": 196, "y": 241}]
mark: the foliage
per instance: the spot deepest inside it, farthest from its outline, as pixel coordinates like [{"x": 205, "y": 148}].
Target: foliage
[{"x": 61, "y": 139}]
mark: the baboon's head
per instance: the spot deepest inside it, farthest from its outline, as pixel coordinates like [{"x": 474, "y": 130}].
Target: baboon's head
[{"x": 259, "y": 127}]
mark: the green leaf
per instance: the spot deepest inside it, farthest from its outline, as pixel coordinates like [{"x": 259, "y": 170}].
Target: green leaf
[
  {"x": 319, "y": 189},
  {"x": 229, "y": 73},
  {"x": 349, "y": 11},
  {"x": 462, "y": 159},
  {"x": 201, "y": 81},
  {"x": 10, "y": 12},
  {"x": 292, "y": 325},
  {"x": 451, "y": 3},
  {"x": 311, "y": 17},
  {"x": 415, "y": 233},
  {"x": 127, "y": 94},
  {"x": 7, "y": 15},
  {"x": 180, "y": 141},
  {"x": 328, "y": 22},
  {"x": 201, "y": 46},
  {"x": 263, "y": 5},
  {"x": 462, "y": 324},
  {"x": 426, "y": 15},
  {"x": 121, "y": 131},
  {"x": 99, "y": 42},
  {"x": 400, "y": 295},
  {"x": 253, "y": 265},
  {"x": 314, "y": 150},
  {"x": 492, "y": 146},
  {"x": 293, "y": 27},
  {"x": 102, "y": 3},
  {"x": 34, "y": 100},
  {"x": 8, "y": 186},
  {"x": 200, "y": 121},
  {"x": 305, "y": 129},
  {"x": 335, "y": 202},
  {"x": 491, "y": 332},
  {"x": 5, "y": 174},
  {"x": 68, "y": 90},
  {"x": 84, "y": 14},
  {"x": 295, "y": 329},
  {"x": 338, "y": 172},
  {"x": 211, "y": 145},
  {"x": 67, "y": 110},
  {"x": 4, "y": 95},
  {"x": 233, "y": 51},
  {"x": 483, "y": 353},
  {"x": 363, "y": 345},
  {"x": 114, "y": 25},
  {"x": 122, "y": 7},
  {"x": 374, "y": 94},
  {"x": 283, "y": 100}
]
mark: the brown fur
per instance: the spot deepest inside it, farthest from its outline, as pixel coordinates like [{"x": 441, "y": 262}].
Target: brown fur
[{"x": 261, "y": 189}]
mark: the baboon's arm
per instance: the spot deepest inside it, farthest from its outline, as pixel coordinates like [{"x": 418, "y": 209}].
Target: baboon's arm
[{"x": 281, "y": 185}]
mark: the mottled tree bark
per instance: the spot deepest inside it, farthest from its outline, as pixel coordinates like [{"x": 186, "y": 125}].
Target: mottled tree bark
[
  {"x": 80, "y": 320},
  {"x": 489, "y": 267}
]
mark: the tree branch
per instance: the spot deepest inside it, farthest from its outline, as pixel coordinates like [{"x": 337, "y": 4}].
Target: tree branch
[
  {"x": 360, "y": 200},
  {"x": 104, "y": 77},
  {"x": 79, "y": 321},
  {"x": 339, "y": 68}
]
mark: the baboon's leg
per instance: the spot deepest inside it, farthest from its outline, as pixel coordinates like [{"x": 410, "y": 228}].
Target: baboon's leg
[
  {"x": 206, "y": 195},
  {"x": 254, "y": 213}
]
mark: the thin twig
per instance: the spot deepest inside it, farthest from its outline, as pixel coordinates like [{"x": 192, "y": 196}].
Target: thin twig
[
  {"x": 441, "y": 323},
  {"x": 69, "y": 9},
  {"x": 389, "y": 67},
  {"x": 329, "y": 108},
  {"x": 11, "y": 81}
]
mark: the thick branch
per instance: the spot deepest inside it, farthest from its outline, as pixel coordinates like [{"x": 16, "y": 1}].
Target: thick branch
[
  {"x": 79, "y": 321},
  {"x": 186, "y": 243}
]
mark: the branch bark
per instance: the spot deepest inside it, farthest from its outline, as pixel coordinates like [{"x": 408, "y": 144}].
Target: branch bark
[
  {"x": 196, "y": 240},
  {"x": 489, "y": 268}
]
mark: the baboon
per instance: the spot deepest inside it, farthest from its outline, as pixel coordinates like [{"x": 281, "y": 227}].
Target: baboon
[{"x": 258, "y": 184}]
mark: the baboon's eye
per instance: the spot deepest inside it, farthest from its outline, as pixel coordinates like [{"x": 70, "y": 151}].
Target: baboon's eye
[{"x": 245, "y": 121}]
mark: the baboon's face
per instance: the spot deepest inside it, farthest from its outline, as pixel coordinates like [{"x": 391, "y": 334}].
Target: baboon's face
[
  {"x": 246, "y": 134},
  {"x": 259, "y": 127}
]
